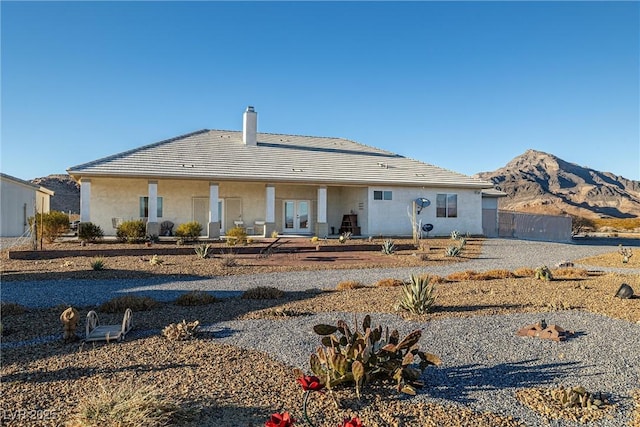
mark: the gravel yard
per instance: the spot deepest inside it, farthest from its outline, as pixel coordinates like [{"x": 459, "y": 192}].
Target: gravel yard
[{"x": 239, "y": 371}]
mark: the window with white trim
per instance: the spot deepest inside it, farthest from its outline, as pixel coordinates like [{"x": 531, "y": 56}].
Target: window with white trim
[
  {"x": 144, "y": 207},
  {"x": 382, "y": 195},
  {"x": 447, "y": 205}
]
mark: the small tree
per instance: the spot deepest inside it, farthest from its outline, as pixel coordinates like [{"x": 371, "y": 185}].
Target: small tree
[
  {"x": 50, "y": 225},
  {"x": 579, "y": 224}
]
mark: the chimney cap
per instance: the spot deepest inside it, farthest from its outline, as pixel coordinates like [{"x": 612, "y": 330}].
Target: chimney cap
[{"x": 250, "y": 109}]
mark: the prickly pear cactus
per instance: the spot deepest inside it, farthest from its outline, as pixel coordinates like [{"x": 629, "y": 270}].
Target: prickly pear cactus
[{"x": 361, "y": 356}]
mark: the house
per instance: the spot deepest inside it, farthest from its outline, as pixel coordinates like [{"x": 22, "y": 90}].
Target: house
[
  {"x": 275, "y": 182},
  {"x": 20, "y": 200}
]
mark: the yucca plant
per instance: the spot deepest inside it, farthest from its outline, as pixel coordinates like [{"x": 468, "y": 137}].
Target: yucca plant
[
  {"x": 417, "y": 295},
  {"x": 455, "y": 235},
  {"x": 202, "y": 251},
  {"x": 155, "y": 260},
  {"x": 388, "y": 247},
  {"x": 97, "y": 264}
]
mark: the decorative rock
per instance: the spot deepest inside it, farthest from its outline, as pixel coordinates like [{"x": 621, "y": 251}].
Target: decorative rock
[{"x": 624, "y": 291}]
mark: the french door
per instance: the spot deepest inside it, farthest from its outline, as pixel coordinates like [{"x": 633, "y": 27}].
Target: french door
[{"x": 296, "y": 216}]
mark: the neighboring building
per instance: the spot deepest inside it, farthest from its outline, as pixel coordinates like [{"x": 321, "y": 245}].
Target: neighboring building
[
  {"x": 490, "y": 218},
  {"x": 275, "y": 182},
  {"x": 19, "y": 201}
]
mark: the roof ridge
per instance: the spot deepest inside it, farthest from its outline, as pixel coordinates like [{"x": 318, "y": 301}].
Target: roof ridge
[{"x": 134, "y": 150}]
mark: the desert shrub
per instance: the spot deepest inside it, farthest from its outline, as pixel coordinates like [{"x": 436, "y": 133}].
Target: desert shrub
[
  {"x": 97, "y": 264},
  {"x": 314, "y": 239},
  {"x": 543, "y": 273},
  {"x": 51, "y": 225},
  {"x": 274, "y": 234},
  {"x": 236, "y": 236},
  {"x": 524, "y": 272},
  {"x": 90, "y": 232},
  {"x": 262, "y": 292},
  {"x": 134, "y": 302},
  {"x": 228, "y": 260},
  {"x": 126, "y": 405},
  {"x": 384, "y": 356},
  {"x": 193, "y": 298},
  {"x": 349, "y": 284},
  {"x": 417, "y": 296},
  {"x": 389, "y": 282},
  {"x": 570, "y": 273},
  {"x": 202, "y": 251},
  {"x": 156, "y": 260},
  {"x": 133, "y": 231},
  {"x": 462, "y": 275},
  {"x": 181, "y": 331},
  {"x": 580, "y": 224},
  {"x": 11, "y": 308},
  {"x": 494, "y": 274},
  {"x": 189, "y": 230}
]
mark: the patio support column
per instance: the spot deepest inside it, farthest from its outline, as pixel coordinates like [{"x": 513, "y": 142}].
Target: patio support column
[
  {"x": 213, "y": 229},
  {"x": 322, "y": 229},
  {"x": 85, "y": 200},
  {"x": 270, "y": 214},
  {"x": 153, "y": 228}
]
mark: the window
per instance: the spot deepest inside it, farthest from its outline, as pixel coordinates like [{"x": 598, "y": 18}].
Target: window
[
  {"x": 382, "y": 195},
  {"x": 447, "y": 205},
  {"x": 144, "y": 207}
]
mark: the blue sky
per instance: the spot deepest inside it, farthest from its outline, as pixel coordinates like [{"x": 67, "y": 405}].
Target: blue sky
[{"x": 462, "y": 85}]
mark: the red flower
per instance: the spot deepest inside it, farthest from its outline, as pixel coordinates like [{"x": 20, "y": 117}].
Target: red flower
[
  {"x": 310, "y": 383},
  {"x": 280, "y": 420},
  {"x": 353, "y": 422}
]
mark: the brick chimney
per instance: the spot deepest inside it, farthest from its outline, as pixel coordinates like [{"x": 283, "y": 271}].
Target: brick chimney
[{"x": 250, "y": 126}]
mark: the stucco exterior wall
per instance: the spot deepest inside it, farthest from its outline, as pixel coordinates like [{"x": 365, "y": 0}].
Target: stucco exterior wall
[
  {"x": 391, "y": 218},
  {"x": 14, "y": 198}
]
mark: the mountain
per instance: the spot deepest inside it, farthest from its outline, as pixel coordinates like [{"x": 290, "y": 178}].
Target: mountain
[
  {"x": 67, "y": 192},
  {"x": 543, "y": 183}
]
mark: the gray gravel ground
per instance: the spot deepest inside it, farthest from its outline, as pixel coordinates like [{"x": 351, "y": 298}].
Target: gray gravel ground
[
  {"x": 484, "y": 362},
  {"x": 497, "y": 253}
]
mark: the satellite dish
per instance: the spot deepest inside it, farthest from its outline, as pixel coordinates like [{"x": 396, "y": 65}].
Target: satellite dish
[
  {"x": 422, "y": 202},
  {"x": 427, "y": 227}
]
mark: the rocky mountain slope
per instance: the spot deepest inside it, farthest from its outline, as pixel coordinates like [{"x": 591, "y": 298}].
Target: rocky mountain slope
[
  {"x": 542, "y": 183},
  {"x": 67, "y": 192}
]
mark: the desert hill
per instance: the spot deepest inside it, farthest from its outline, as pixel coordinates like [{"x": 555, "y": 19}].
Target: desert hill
[
  {"x": 543, "y": 183},
  {"x": 67, "y": 192}
]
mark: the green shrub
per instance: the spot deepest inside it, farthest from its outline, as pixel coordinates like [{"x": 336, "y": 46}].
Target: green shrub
[
  {"x": 89, "y": 232},
  {"x": 417, "y": 295},
  {"x": 543, "y": 273},
  {"x": 131, "y": 231},
  {"x": 366, "y": 354},
  {"x": 189, "y": 230},
  {"x": 51, "y": 225}
]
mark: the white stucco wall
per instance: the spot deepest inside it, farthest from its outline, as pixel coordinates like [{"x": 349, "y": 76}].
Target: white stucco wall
[
  {"x": 389, "y": 217},
  {"x": 13, "y": 198}
]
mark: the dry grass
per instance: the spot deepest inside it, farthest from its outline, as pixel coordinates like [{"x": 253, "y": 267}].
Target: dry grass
[
  {"x": 389, "y": 282},
  {"x": 349, "y": 284},
  {"x": 433, "y": 278},
  {"x": 126, "y": 405},
  {"x": 524, "y": 272},
  {"x": 569, "y": 273},
  {"x": 195, "y": 298},
  {"x": 618, "y": 224},
  {"x": 612, "y": 259},
  {"x": 134, "y": 302},
  {"x": 262, "y": 292},
  {"x": 485, "y": 275}
]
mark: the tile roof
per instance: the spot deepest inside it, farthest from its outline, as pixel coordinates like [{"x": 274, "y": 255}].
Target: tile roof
[{"x": 221, "y": 155}]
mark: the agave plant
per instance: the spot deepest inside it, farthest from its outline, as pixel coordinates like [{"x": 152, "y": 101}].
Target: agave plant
[
  {"x": 453, "y": 251},
  {"x": 388, "y": 247},
  {"x": 361, "y": 356},
  {"x": 202, "y": 251},
  {"x": 417, "y": 295}
]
